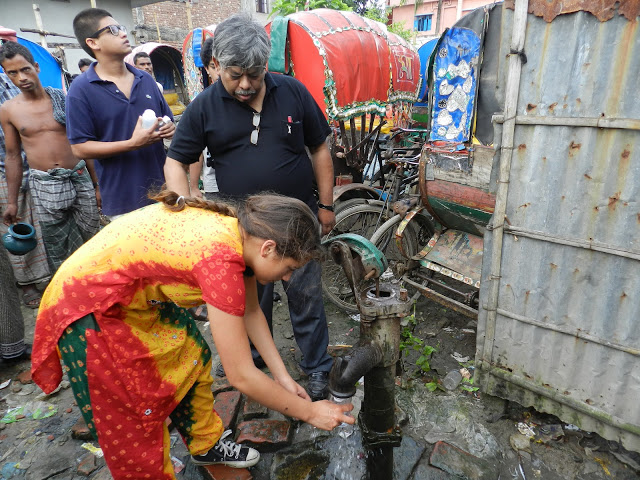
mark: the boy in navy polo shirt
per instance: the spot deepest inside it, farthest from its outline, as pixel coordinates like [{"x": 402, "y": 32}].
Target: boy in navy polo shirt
[{"x": 104, "y": 109}]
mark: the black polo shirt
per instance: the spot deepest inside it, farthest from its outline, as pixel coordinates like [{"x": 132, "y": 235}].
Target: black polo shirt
[{"x": 290, "y": 119}]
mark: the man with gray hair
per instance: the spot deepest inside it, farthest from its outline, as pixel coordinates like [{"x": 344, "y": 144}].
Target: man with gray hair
[{"x": 257, "y": 125}]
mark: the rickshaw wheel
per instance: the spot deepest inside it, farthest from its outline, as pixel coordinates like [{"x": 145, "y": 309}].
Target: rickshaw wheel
[
  {"x": 362, "y": 219},
  {"x": 415, "y": 236}
]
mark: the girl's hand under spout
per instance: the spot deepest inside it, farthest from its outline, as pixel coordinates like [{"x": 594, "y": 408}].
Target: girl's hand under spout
[{"x": 328, "y": 415}]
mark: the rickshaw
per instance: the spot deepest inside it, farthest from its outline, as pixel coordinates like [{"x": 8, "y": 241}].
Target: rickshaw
[
  {"x": 196, "y": 78},
  {"x": 365, "y": 79},
  {"x": 169, "y": 72}
]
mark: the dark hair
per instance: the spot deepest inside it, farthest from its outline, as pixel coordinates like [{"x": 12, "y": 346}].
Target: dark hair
[
  {"x": 84, "y": 62},
  {"x": 205, "y": 51},
  {"x": 86, "y": 24},
  {"x": 11, "y": 49},
  {"x": 287, "y": 221},
  {"x": 140, "y": 55}
]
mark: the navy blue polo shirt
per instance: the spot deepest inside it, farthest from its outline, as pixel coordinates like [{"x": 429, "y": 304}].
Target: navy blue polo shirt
[
  {"x": 290, "y": 119},
  {"x": 98, "y": 111}
]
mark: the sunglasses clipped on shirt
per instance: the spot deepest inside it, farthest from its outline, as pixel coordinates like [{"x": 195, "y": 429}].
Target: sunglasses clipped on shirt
[
  {"x": 256, "y": 132},
  {"x": 114, "y": 29}
]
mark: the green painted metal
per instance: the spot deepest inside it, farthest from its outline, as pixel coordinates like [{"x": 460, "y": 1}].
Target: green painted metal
[
  {"x": 371, "y": 257},
  {"x": 459, "y": 217}
]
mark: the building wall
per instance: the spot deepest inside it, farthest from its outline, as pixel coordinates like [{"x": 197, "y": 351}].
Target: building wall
[
  {"x": 57, "y": 16},
  {"x": 407, "y": 12},
  {"x": 171, "y": 18}
]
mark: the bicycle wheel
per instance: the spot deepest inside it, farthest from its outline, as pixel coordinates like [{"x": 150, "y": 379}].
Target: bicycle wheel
[
  {"x": 360, "y": 219},
  {"x": 414, "y": 237}
]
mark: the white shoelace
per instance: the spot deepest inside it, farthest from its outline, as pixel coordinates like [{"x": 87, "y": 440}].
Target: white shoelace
[{"x": 228, "y": 448}]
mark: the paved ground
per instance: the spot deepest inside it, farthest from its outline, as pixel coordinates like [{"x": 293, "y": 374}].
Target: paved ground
[{"x": 444, "y": 433}]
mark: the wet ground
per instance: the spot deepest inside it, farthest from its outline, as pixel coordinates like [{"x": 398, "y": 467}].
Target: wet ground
[{"x": 445, "y": 434}]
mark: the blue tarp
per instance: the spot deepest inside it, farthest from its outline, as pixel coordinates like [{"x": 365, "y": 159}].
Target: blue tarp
[
  {"x": 425, "y": 53},
  {"x": 455, "y": 71}
]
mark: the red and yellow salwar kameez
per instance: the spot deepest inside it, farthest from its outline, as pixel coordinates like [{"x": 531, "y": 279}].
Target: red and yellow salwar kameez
[{"x": 115, "y": 312}]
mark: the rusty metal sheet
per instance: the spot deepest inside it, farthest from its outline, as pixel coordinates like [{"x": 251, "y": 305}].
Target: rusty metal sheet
[
  {"x": 565, "y": 337},
  {"x": 457, "y": 255},
  {"x": 603, "y": 10}
]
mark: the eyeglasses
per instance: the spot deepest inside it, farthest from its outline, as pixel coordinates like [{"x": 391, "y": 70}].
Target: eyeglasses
[
  {"x": 256, "y": 132},
  {"x": 114, "y": 29}
]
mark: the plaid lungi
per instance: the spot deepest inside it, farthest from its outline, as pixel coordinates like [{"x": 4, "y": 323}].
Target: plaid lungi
[
  {"x": 32, "y": 267},
  {"x": 11, "y": 321},
  {"x": 65, "y": 204}
]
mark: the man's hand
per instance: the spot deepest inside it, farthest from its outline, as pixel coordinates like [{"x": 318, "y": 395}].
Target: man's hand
[
  {"x": 327, "y": 219},
  {"x": 143, "y": 137},
  {"x": 167, "y": 130},
  {"x": 10, "y": 214},
  {"x": 98, "y": 197}
]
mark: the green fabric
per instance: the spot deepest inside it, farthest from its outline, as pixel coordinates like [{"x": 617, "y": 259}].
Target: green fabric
[
  {"x": 278, "y": 57},
  {"x": 73, "y": 349}
]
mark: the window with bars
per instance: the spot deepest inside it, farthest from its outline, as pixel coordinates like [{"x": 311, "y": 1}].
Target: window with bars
[{"x": 422, "y": 23}]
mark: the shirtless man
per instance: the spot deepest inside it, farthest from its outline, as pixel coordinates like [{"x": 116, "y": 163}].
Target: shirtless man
[{"x": 62, "y": 186}]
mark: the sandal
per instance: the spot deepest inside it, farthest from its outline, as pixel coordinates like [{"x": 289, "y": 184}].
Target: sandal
[{"x": 31, "y": 298}]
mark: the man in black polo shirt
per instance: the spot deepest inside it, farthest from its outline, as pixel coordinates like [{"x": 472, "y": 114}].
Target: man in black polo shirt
[{"x": 256, "y": 125}]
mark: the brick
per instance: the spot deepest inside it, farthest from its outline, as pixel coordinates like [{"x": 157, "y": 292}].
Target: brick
[
  {"x": 103, "y": 474},
  {"x": 220, "y": 385},
  {"x": 87, "y": 465},
  {"x": 427, "y": 472},
  {"x": 81, "y": 431},
  {"x": 253, "y": 409},
  {"x": 222, "y": 472},
  {"x": 227, "y": 406},
  {"x": 265, "y": 435},
  {"x": 458, "y": 462},
  {"x": 25, "y": 377}
]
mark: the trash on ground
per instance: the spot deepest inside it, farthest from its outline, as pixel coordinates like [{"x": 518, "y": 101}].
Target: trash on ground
[
  {"x": 519, "y": 442},
  {"x": 546, "y": 433},
  {"x": 97, "y": 451},
  {"x": 459, "y": 358},
  {"x": 178, "y": 466},
  {"x": 452, "y": 380},
  {"x": 355, "y": 317},
  {"x": 35, "y": 410},
  {"x": 5, "y": 384},
  {"x": 10, "y": 469},
  {"x": 526, "y": 430},
  {"x": 466, "y": 374}
]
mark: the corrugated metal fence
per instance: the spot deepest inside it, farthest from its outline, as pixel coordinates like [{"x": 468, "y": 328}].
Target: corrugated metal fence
[{"x": 559, "y": 324}]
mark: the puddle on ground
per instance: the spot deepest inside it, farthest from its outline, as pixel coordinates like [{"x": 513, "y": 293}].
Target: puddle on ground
[{"x": 332, "y": 457}]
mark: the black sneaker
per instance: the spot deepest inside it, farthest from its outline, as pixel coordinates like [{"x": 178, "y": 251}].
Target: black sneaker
[
  {"x": 317, "y": 386},
  {"x": 229, "y": 453}
]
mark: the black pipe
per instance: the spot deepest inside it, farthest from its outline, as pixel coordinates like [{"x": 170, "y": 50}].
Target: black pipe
[{"x": 347, "y": 370}]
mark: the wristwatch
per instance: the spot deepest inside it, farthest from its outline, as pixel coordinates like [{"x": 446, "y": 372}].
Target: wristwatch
[{"x": 325, "y": 207}]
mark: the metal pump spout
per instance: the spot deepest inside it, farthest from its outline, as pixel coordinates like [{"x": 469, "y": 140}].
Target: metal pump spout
[{"x": 347, "y": 370}]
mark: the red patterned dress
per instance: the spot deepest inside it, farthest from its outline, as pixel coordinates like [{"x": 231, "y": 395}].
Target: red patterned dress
[{"x": 115, "y": 312}]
